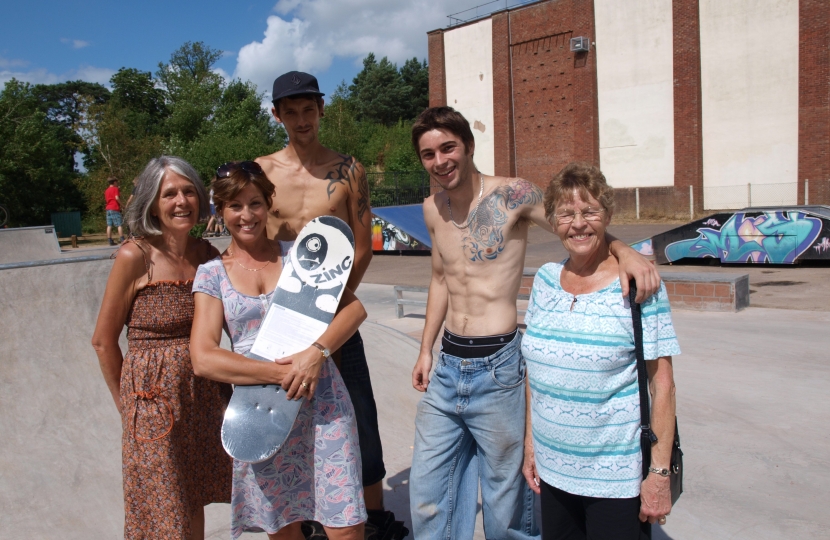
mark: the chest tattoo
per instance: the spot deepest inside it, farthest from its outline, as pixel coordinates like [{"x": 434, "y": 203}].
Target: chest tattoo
[{"x": 485, "y": 239}]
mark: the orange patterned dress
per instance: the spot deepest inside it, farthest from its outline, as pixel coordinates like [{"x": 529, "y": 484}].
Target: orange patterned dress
[{"x": 172, "y": 456}]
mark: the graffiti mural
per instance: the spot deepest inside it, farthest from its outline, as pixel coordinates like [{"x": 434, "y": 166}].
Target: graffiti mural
[
  {"x": 644, "y": 248},
  {"x": 388, "y": 237},
  {"x": 777, "y": 237}
]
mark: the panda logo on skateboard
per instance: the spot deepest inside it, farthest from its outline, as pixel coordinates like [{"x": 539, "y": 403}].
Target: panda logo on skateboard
[
  {"x": 320, "y": 271},
  {"x": 311, "y": 252}
]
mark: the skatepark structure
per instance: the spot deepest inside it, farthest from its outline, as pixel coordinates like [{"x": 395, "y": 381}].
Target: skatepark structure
[
  {"x": 397, "y": 229},
  {"x": 751, "y": 403},
  {"x": 28, "y": 244},
  {"x": 763, "y": 235}
]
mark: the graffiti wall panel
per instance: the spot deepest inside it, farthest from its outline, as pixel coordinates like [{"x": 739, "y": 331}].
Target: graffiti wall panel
[
  {"x": 759, "y": 237},
  {"x": 388, "y": 237}
]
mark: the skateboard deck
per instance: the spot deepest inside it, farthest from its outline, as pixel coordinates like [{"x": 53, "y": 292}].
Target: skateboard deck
[{"x": 260, "y": 417}]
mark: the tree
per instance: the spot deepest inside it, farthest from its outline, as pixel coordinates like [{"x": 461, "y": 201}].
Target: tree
[
  {"x": 238, "y": 129},
  {"x": 136, "y": 92},
  {"x": 63, "y": 104},
  {"x": 415, "y": 75},
  {"x": 191, "y": 89},
  {"x": 339, "y": 128},
  {"x": 379, "y": 93},
  {"x": 36, "y": 173}
]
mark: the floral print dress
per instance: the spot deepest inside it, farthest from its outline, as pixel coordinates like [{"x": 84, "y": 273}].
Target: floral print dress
[{"x": 316, "y": 475}]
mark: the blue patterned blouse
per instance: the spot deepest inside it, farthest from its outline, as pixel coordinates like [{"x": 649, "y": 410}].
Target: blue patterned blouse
[{"x": 583, "y": 381}]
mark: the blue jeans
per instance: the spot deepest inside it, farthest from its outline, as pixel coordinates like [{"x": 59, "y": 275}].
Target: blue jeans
[{"x": 469, "y": 428}]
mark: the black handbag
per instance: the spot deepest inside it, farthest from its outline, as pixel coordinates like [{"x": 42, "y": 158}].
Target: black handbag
[{"x": 647, "y": 436}]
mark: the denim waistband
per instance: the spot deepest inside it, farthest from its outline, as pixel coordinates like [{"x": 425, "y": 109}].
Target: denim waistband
[{"x": 484, "y": 362}]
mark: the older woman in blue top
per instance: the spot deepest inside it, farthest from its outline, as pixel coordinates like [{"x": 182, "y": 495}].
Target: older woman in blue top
[{"x": 582, "y": 440}]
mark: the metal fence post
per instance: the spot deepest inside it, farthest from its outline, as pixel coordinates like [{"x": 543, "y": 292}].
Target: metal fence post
[
  {"x": 637, "y": 201},
  {"x": 395, "y": 175},
  {"x": 806, "y": 191},
  {"x": 691, "y": 203},
  {"x": 749, "y": 193}
]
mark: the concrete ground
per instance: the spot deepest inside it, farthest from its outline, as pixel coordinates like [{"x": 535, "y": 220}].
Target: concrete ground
[{"x": 752, "y": 407}]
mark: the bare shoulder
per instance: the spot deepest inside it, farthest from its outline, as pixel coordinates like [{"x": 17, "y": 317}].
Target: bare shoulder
[
  {"x": 330, "y": 157},
  {"x": 431, "y": 206},
  {"x": 272, "y": 162},
  {"x": 131, "y": 261}
]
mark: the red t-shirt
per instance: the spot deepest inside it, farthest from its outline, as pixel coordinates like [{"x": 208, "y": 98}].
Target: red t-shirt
[{"x": 112, "y": 202}]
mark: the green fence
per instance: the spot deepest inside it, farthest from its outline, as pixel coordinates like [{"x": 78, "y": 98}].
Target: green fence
[
  {"x": 397, "y": 188},
  {"x": 67, "y": 223}
]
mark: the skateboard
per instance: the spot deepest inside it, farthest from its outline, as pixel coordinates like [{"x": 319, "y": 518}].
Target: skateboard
[{"x": 260, "y": 417}]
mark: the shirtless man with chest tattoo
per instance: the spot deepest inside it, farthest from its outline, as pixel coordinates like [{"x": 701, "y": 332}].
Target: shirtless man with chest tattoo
[
  {"x": 311, "y": 181},
  {"x": 469, "y": 424}
]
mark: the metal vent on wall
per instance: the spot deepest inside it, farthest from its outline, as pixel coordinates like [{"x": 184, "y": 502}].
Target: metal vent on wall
[{"x": 580, "y": 44}]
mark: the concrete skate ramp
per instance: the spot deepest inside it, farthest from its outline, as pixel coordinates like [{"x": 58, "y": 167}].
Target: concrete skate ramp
[
  {"x": 28, "y": 244},
  {"x": 60, "y": 434},
  {"x": 757, "y": 235}
]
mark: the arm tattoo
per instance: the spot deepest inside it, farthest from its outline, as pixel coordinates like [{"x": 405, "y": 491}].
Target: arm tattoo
[
  {"x": 362, "y": 191},
  {"x": 486, "y": 238},
  {"x": 340, "y": 174}
]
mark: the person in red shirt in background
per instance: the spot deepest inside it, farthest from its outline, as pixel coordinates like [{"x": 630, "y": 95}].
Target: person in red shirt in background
[{"x": 113, "y": 208}]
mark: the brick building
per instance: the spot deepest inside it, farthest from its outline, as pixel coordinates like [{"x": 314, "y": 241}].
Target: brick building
[{"x": 730, "y": 99}]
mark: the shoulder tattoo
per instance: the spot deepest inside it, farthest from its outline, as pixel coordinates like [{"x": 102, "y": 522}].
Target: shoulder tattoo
[
  {"x": 485, "y": 240},
  {"x": 340, "y": 174}
]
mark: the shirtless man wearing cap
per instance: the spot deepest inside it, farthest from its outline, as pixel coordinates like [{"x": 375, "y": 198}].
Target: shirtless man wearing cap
[
  {"x": 312, "y": 181},
  {"x": 469, "y": 426}
]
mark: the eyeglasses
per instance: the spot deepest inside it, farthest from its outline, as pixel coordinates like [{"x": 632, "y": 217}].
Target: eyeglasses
[
  {"x": 227, "y": 169},
  {"x": 589, "y": 214}
]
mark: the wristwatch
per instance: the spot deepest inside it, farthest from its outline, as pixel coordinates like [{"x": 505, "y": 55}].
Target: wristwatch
[
  {"x": 662, "y": 472},
  {"x": 323, "y": 350}
]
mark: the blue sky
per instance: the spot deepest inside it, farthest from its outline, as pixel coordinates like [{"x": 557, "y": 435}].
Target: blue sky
[{"x": 46, "y": 41}]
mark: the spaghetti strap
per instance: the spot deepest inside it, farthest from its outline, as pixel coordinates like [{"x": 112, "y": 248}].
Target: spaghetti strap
[{"x": 143, "y": 254}]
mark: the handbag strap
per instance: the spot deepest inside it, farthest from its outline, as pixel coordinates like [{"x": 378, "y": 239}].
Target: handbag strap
[{"x": 647, "y": 436}]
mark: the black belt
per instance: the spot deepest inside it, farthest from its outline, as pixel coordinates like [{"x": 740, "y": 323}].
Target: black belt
[{"x": 475, "y": 346}]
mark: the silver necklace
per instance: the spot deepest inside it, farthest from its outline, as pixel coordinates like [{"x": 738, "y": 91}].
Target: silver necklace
[{"x": 473, "y": 213}]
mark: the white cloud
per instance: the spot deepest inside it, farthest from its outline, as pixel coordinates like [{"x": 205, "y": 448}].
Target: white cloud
[
  {"x": 43, "y": 76},
  {"x": 308, "y": 35},
  {"x": 76, "y": 43},
  {"x": 6, "y": 63},
  {"x": 222, "y": 73}
]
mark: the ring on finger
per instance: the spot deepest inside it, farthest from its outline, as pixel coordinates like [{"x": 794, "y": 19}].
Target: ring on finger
[
  {"x": 662, "y": 520},
  {"x": 304, "y": 384}
]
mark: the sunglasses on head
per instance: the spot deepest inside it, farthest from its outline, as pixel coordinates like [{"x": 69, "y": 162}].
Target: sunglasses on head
[{"x": 230, "y": 168}]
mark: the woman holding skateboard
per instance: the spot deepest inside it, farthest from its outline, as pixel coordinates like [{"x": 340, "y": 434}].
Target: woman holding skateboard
[
  {"x": 173, "y": 462},
  {"x": 316, "y": 474}
]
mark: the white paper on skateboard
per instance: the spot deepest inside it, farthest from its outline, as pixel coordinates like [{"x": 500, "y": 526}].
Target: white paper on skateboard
[{"x": 260, "y": 417}]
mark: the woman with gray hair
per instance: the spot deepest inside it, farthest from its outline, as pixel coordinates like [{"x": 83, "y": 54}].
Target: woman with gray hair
[{"x": 173, "y": 461}]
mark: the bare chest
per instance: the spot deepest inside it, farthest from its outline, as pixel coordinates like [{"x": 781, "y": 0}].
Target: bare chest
[{"x": 299, "y": 199}]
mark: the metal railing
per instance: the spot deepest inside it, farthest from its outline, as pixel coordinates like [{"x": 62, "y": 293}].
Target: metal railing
[
  {"x": 397, "y": 188},
  {"x": 683, "y": 203},
  {"x": 750, "y": 194},
  {"x": 483, "y": 10}
]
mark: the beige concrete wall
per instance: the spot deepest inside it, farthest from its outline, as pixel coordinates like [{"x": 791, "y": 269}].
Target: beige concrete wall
[
  {"x": 468, "y": 60},
  {"x": 634, "y": 82},
  {"x": 749, "y": 74}
]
